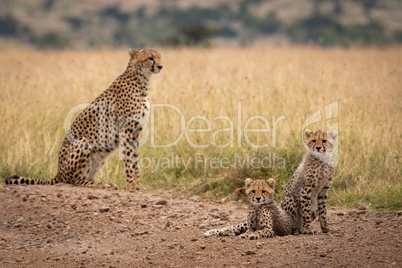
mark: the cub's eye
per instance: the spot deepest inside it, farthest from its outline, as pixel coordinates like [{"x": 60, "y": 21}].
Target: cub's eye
[
  {"x": 313, "y": 141},
  {"x": 253, "y": 191},
  {"x": 150, "y": 58},
  {"x": 324, "y": 141},
  {"x": 263, "y": 191}
]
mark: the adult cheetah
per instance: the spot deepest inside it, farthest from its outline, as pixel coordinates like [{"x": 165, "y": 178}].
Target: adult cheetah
[{"x": 114, "y": 119}]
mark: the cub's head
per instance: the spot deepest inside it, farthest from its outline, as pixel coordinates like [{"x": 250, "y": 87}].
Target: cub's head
[
  {"x": 321, "y": 142},
  {"x": 260, "y": 191},
  {"x": 146, "y": 60}
]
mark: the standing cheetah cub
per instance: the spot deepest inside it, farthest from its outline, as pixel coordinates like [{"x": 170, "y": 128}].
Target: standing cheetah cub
[
  {"x": 113, "y": 119},
  {"x": 264, "y": 219},
  {"x": 305, "y": 195}
]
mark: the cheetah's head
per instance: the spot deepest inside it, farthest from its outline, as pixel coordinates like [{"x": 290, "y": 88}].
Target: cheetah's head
[
  {"x": 260, "y": 191},
  {"x": 146, "y": 60},
  {"x": 321, "y": 142}
]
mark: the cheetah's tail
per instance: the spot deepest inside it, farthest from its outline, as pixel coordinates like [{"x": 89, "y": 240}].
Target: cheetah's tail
[{"x": 21, "y": 180}]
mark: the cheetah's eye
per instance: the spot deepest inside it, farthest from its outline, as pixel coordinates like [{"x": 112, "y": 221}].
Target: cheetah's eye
[
  {"x": 253, "y": 191},
  {"x": 324, "y": 141},
  {"x": 150, "y": 58},
  {"x": 313, "y": 141},
  {"x": 263, "y": 191}
]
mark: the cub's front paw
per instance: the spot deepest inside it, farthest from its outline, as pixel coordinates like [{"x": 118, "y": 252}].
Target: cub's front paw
[
  {"x": 250, "y": 236},
  {"x": 308, "y": 231}
]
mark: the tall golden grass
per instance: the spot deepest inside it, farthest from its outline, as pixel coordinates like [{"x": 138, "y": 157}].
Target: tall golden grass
[{"x": 38, "y": 89}]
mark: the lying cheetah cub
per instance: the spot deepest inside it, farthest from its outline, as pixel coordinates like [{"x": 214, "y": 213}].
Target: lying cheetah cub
[{"x": 265, "y": 218}]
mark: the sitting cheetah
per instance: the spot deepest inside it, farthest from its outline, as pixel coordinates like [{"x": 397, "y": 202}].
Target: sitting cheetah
[
  {"x": 304, "y": 198},
  {"x": 265, "y": 218},
  {"x": 305, "y": 195},
  {"x": 113, "y": 119}
]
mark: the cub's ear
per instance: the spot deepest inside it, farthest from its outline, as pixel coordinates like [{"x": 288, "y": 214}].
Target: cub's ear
[
  {"x": 333, "y": 135},
  {"x": 132, "y": 53},
  {"x": 271, "y": 182},
  {"x": 307, "y": 133},
  {"x": 248, "y": 182}
]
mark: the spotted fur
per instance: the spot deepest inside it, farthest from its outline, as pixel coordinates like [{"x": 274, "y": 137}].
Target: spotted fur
[
  {"x": 113, "y": 119},
  {"x": 264, "y": 219}
]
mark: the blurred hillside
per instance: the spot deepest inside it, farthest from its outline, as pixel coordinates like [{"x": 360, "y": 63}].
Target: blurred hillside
[{"x": 139, "y": 23}]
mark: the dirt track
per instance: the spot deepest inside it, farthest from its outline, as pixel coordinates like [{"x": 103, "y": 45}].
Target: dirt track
[{"x": 63, "y": 226}]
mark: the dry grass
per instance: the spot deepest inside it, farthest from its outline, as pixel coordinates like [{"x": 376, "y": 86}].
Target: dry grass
[{"x": 39, "y": 88}]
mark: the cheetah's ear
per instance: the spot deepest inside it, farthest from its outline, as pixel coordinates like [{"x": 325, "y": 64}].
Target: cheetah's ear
[
  {"x": 271, "y": 182},
  {"x": 132, "y": 53},
  {"x": 333, "y": 135},
  {"x": 248, "y": 182},
  {"x": 307, "y": 133}
]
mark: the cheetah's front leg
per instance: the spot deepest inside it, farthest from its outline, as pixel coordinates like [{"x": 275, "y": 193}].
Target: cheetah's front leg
[
  {"x": 129, "y": 148},
  {"x": 322, "y": 210},
  {"x": 305, "y": 198},
  {"x": 265, "y": 220},
  {"x": 228, "y": 231}
]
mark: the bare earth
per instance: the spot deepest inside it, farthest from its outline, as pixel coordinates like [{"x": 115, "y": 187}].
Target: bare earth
[{"x": 63, "y": 226}]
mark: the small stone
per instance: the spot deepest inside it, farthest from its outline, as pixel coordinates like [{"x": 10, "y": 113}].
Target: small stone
[
  {"x": 141, "y": 233},
  {"x": 322, "y": 255},
  {"x": 203, "y": 247},
  {"x": 143, "y": 205},
  {"x": 379, "y": 222},
  {"x": 194, "y": 199},
  {"x": 162, "y": 202},
  {"x": 66, "y": 237},
  {"x": 360, "y": 212},
  {"x": 104, "y": 209},
  {"x": 362, "y": 208},
  {"x": 341, "y": 214},
  {"x": 194, "y": 239},
  {"x": 250, "y": 252},
  {"x": 92, "y": 197}
]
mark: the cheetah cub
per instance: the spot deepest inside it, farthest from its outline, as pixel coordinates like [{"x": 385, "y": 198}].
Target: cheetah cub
[
  {"x": 265, "y": 218},
  {"x": 305, "y": 195},
  {"x": 114, "y": 119},
  {"x": 304, "y": 198}
]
